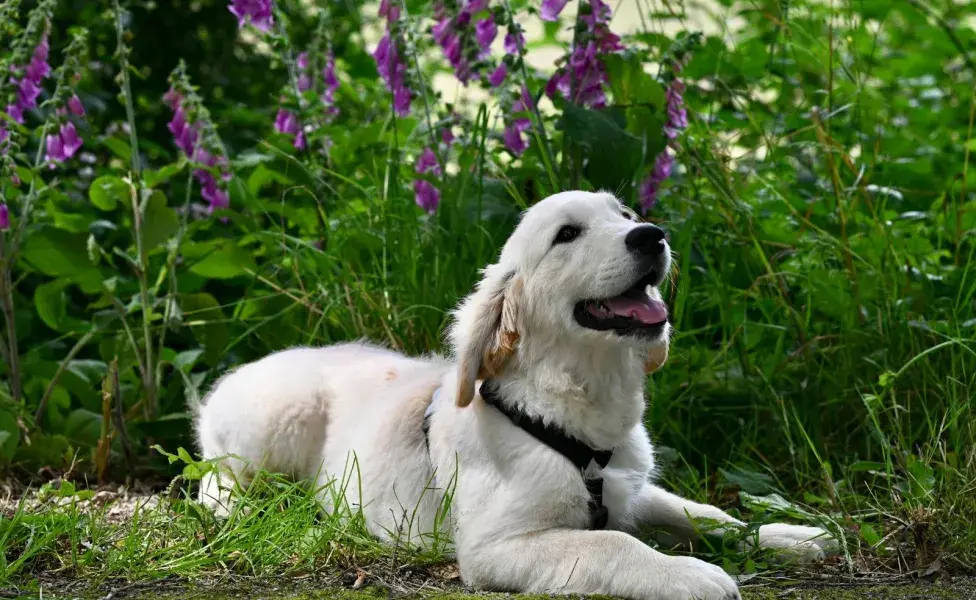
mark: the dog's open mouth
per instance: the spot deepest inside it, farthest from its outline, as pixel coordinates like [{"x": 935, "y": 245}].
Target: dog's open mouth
[{"x": 633, "y": 312}]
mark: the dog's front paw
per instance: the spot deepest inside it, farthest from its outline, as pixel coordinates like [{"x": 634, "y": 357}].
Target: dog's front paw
[
  {"x": 688, "y": 578},
  {"x": 798, "y": 543}
]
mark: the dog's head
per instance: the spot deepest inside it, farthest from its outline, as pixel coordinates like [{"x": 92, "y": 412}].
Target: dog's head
[{"x": 579, "y": 269}]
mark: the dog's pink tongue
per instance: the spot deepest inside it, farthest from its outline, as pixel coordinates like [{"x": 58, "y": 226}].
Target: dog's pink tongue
[{"x": 644, "y": 309}]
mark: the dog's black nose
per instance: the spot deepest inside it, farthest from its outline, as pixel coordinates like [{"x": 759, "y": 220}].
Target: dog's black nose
[{"x": 645, "y": 239}]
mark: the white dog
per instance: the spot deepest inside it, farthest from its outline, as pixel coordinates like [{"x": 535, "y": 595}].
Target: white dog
[{"x": 552, "y": 350}]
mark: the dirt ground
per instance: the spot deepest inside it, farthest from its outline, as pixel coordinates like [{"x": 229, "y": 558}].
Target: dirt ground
[{"x": 412, "y": 586}]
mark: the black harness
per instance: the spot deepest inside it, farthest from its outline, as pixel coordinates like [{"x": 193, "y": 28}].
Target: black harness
[{"x": 574, "y": 450}]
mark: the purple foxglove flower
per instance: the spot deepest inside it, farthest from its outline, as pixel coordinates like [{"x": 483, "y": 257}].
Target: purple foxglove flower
[
  {"x": 203, "y": 157},
  {"x": 38, "y": 68},
  {"x": 187, "y": 140},
  {"x": 514, "y": 141},
  {"x": 299, "y": 142},
  {"x": 476, "y": 6},
  {"x": 485, "y": 32},
  {"x": 330, "y": 79},
  {"x": 390, "y": 10},
  {"x": 609, "y": 42},
  {"x": 29, "y": 86},
  {"x": 256, "y": 12},
  {"x": 304, "y": 83},
  {"x": 286, "y": 122},
  {"x": 427, "y": 163},
  {"x": 514, "y": 42},
  {"x": 302, "y": 60},
  {"x": 599, "y": 14},
  {"x": 650, "y": 187},
  {"x": 453, "y": 50},
  {"x": 4, "y": 217},
  {"x": 384, "y": 55},
  {"x": 70, "y": 140},
  {"x": 172, "y": 98},
  {"x": 183, "y": 134},
  {"x": 552, "y": 8},
  {"x": 524, "y": 102},
  {"x": 441, "y": 30},
  {"x": 677, "y": 114},
  {"x": 426, "y": 195},
  {"x": 211, "y": 192},
  {"x": 401, "y": 100},
  {"x": 498, "y": 76},
  {"x": 16, "y": 113},
  {"x": 76, "y": 107},
  {"x": 28, "y": 93},
  {"x": 55, "y": 149},
  {"x": 447, "y": 136}
]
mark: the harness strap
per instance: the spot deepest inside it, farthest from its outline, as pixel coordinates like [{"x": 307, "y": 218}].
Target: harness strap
[{"x": 573, "y": 449}]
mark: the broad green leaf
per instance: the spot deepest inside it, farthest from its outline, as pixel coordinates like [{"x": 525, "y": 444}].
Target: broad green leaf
[
  {"x": 152, "y": 178},
  {"x": 83, "y": 426},
  {"x": 50, "y": 303},
  {"x": 118, "y": 147},
  {"x": 43, "y": 449},
  {"x": 613, "y": 154},
  {"x": 185, "y": 360},
  {"x": 630, "y": 84},
  {"x": 160, "y": 222},
  {"x": 226, "y": 260},
  {"x": 61, "y": 254},
  {"x": 108, "y": 191},
  {"x": 869, "y": 534}
]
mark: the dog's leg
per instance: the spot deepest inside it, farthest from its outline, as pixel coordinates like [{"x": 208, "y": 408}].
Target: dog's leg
[
  {"x": 591, "y": 562},
  {"x": 217, "y": 486},
  {"x": 677, "y": 516}
]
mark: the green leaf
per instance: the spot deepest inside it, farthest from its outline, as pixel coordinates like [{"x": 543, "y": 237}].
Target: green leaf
[
  {"x": 51, "y": 304},
  {"x": 185, "y": 456},
  {"x": 749, "y": 481},
  {"x": 57, "y": 253},
  {"x": 163, "y": 174},
  {"x": 226, "y": 261},
  {"x": 185, "y": 360},
  {"x": 630, "y": 84},
  {"x": 866, "y": 465},
  {"x": 202, "y": 313},
  {"x": 869, "y": 534},
  {"x": 107, "y": 191},
  {"x": 44, "y": 451},
  {"x": 160, "y": 222},
  {"x": 84, "y": 426},
  {"x": 118, "y": 147},
  {"x": 614, "y": 155}
]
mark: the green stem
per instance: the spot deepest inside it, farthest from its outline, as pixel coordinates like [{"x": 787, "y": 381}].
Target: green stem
[
  {"x": 138, "y": 207},
  {"x": 537, "y": 127}
]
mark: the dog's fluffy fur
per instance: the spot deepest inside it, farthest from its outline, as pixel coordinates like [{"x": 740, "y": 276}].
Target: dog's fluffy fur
[{"x": 518, "y": 513}]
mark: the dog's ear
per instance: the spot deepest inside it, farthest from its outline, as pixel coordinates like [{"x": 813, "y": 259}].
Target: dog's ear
[
  {"x": 656, "y": 357},
  {"x": 486, "y": 329}
]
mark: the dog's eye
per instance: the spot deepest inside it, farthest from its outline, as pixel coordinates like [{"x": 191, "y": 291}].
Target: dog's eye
[
  {"x": 567, "y": 233},
  {"x": 627, "y": 216}
]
